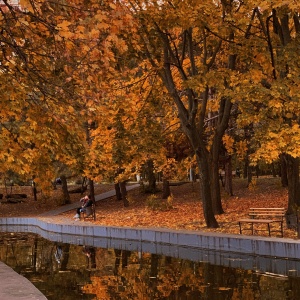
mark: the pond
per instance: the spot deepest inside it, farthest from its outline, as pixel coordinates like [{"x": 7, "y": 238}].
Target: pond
[{"x": 65, "y": 271}]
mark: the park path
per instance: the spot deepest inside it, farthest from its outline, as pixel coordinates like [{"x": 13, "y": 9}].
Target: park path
[{"x": 73, "y": 206}]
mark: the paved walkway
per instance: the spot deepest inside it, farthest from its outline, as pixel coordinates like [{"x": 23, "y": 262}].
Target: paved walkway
[
  {"x": 16, "y": 287},
  {"x": 73, "y": 206}
]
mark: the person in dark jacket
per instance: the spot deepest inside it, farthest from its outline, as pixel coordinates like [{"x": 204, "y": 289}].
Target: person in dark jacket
[{"x": 85, "y": 202}]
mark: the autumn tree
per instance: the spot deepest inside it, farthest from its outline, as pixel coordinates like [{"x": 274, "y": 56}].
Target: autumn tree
[
  {"x": 35, "y": 99},
  {"x": 47, "y": 50},
  {"x": 194, "y": 58},
  {"x": 269, "y": 83}
]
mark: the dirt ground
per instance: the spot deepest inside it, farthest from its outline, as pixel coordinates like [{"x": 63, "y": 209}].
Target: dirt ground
[{"x": 184, "y": 212}]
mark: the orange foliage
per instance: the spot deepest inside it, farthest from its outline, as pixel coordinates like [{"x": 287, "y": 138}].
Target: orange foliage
[{"x": 187, "y": 210}]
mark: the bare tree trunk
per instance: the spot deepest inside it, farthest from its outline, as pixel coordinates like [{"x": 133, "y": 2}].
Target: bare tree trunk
[
  {"x": 228, "y": 177},
  {"x": 92, "y": 196},
  {"x": 192, "y": 176},
  {"x": 34, "y": 191},
  {"x": 283, "y": 171},
  {"x": 215, "y": 175},
  {"x": 64, "y": 187},
  {"x": 249, "y": 175},
  {"x": 118, "y": 191},
  {"x": 293, "y": 180},
  {"x": 273, "y": 170},
  {"x": 245, "y": 169},
  {"x": 124, "y": 193},
  {"x": 205, "y": 186},
  {"x": 66, "y": 255},
  {"x": 215, "y": 189},
  {"x": 151, "y": 176},
  {"x": 166, "y": 189}
]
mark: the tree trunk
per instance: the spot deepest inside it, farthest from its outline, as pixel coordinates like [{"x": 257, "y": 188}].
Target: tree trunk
[
  {"x": 215, "y": 189},
  {"x": 283, "y": 171},
  {"x": 151, "y": 176},
  {"x": 118, "y": 254},
  {"x": 245, "y": 169},
  {"x": 124, "y": 193},
  {"x": 273, "y": 170},
  {"x": 293, "y": 180},
  {"x": 166, "y": 189},
  {"x": 65, "y": 258},
  {"x": 34, "y": 191},
  {"x": 118, "y": 192},
  {"x": 257, "y": 171},
  {"x": 34, "y": 256},
  {"x": 249, "y": 175},
  {"x": 192, "y": 176},
  {"x": 205, "y": 184},
  {"x": 64, "y": 187},
  {"x": 228, "y": 177},
  {"x": 92, "y": 196}
]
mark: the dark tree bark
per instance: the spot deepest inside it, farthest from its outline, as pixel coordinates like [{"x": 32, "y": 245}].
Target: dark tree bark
[
  {"x": 257, "y": 171},
  {"x": 204, "y": 173},
  {"x": 125, "y": 255},
  {"x": 65, "y": 258},
  {"x": 293, "y": 186},
  {"x": 249, "y": 175},
  {"x": 118, "y": 191},
  {"x": 151, "y": 176},
  {"x": 283, "y": 171},
  {"x": 124, "y": 193},
  {"x": 166, "y": 189},
  {"x": 117, "y": 261},
  {"x": 34, "y": 256},
  {"x": 92, "y": 196},
  {"x": 64, "y": 186},
  {"x": 273, "y": 170},
  {"x": 34, "y": 191},
  {"x": 192, "y": 175},
  {"x": 215, "y": 176},
  {"x": 154, "y": 265},
  {"x": 228, "y": 177},
  {"x": 93, "y": 258},
  {"x": 245, "y": 169}
]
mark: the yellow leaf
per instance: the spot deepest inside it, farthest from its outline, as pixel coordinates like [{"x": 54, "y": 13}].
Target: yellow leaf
[
  {"x": 70, "y": 109},
  {"x": 63, "y": 25}
]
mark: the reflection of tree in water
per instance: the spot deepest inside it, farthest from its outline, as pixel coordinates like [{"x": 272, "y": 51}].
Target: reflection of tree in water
[
  {"x": 120, "y": 255},
  {"x": 62, "y": 254},
  {"x": 58, "y": 254},
  {"x": 90, "y": 254},
  {"x": 120, "y": 274}
]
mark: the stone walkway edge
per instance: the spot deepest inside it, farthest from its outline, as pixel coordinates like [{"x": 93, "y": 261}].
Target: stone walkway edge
[{"x": 252, "y": 245}]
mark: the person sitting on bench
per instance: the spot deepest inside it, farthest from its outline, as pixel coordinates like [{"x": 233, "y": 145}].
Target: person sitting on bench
[{"x": 85, "y": 202}]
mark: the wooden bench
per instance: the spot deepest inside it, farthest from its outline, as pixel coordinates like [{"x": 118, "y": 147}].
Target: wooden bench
[
  {"x": 266, "y": 216},
  {"x": 88, "y": 212}
]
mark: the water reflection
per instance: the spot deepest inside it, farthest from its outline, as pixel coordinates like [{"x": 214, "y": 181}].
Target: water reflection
[{"x": 69, "y": 271}]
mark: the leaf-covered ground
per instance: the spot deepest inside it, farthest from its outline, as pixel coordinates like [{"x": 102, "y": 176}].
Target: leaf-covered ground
[{"x": 185, "y": 213}]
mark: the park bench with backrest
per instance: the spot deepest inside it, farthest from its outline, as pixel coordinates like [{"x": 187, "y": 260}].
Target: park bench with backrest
[
  {"x": 263, "y": 215},
  {"x": 88, "y": 212}
]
